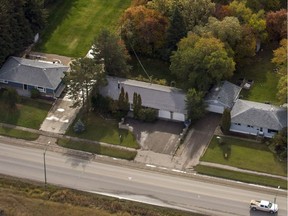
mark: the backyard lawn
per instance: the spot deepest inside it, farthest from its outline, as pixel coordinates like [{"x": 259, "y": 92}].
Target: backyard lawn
[
  {"x": 73, "y": 25},
  {"x": 29, "y": 113},
  {"x": 244, "y": 154},
  {"x": 103, "y": 130},
  {"x": 261, "y": 72}
]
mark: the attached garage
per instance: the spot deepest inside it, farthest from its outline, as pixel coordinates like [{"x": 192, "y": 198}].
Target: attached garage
[
  {"x": 164, "y": 114},
  {"x": 215, "y": 108},
  {"x": 178, "y": 116}
]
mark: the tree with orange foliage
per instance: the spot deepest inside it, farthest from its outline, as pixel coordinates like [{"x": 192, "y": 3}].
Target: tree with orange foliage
[{"x": 276, "y": 23}]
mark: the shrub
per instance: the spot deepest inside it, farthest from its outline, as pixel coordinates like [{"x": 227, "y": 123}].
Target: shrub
[
  {"x": 35, "y": 93},
  {"x": 226, "y": 121},
  {"x": 147, "y": 115},
  {"x": 79, "y": 126}
]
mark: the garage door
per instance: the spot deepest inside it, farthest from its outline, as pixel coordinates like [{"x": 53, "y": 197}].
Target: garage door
[
  {"x": 215, "y": 109},
  {"x": 178, "y": 116},
  {"x": 164, "y": 114}
]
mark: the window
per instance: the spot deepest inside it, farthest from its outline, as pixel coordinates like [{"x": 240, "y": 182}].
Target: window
[
  {"x": 272, "y": 131},
  {"x": 118, "y": 85},
  {"x": 3, "y": 81},
  {"x": 25, "y": 87},
  {"x": 250, "y": 126}
]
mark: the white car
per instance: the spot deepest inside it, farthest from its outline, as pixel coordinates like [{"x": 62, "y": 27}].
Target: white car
[{"x": 264, "y": 205}]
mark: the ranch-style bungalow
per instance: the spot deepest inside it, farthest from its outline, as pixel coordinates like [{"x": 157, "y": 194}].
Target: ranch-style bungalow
[
  {"x": 169, "y": 101},
  {"x": 255, "y": 118},
  {"x": 26, "y": 74}
]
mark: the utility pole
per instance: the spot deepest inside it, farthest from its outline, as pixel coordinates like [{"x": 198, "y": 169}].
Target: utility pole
[
  {"x": 44, "y": 160},
  {"x": 276, "y": 194}
]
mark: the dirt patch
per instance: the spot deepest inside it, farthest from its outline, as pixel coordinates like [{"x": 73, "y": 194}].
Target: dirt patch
[{"x": 49, "y": 57}]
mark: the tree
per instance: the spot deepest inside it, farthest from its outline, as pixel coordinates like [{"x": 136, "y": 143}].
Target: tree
[
  {"x": 277, "y": 24},
  {"x": 144, "y": 30},
  {"x": 226, "y": 121},
  {"x": 137, "y": 104},
  {"x": 176, "y": 30},
  {"x": 35, "y": 14},
  {"x": 195, "y": 104},
  {"x": 256, "y": 5},
  {"x": 84, "y": 75},
  {"x": 280, "y": 60},
  {"x": 280, "y": 143},
  {"x": 201, "y": 62},
  {"x": 110, "y": 50},
  {"x": 10, "y": 97}
]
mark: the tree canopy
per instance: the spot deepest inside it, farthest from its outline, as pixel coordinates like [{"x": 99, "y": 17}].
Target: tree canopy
[
  {"x": 201, "y": 62},
  {"x": 195, "y": 104},
  {"x": 111, "y": 51}
]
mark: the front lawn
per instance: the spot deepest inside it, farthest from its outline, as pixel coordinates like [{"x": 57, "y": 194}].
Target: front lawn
[
  {"x": 73, "y": 25},
  {"x": 244, "y": 154},
  {"x": 261, "y": 71},
  {"x": 29, "y": 113},
  {"x": 102, "y": 130}
]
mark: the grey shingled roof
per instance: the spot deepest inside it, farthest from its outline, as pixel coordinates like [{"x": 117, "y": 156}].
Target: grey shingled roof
[
  {"x": 152, "y": 95},
  {"x": 259, "y": 114},
  {"x": 32, "y": 72},
  {"x": 225, "y": 94}
]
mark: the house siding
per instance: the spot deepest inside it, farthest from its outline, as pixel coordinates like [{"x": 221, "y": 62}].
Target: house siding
[{"x": 252, "y": 130}]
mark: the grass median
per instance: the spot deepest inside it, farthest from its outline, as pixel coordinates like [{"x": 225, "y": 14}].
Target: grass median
[
  {"x": 19, "y": 134},
  {"x": 243, "y": 177},
  {"x": 98, "y": 149}
]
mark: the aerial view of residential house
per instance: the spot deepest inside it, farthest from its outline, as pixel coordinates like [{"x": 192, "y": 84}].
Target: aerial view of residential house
[
  {"x": 257, "y": 118},
  {"x": 169, "y": 101},
  {"x": 222, "y": 96},
  {"x": 26, "y": 74}
]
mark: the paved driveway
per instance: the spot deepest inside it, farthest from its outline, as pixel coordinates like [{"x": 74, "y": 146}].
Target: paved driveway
[
  {"x": 60, "y": 116},
  {"x": 159, "y": 137},
  {"x": 198, "y": 139}
]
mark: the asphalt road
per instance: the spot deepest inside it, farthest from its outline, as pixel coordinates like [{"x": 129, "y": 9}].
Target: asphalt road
[{"x": 140, "y": 185}]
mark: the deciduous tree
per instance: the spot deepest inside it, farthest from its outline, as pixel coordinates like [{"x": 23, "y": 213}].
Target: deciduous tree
[
  {"x": 277, "y": 24},
  {"x": 201, "y": 62},
  {"x": 195, "y": 104},
  {"x": 144, "y": 30}
]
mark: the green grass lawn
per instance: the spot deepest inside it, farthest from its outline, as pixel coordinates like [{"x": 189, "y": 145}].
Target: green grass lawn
[
  {"x": 102, "y": 130},
  {"x": 158, "y": 69},
  {"x": 10, "y": 132},
  {"x": 73, "y": 25},
  {"x": 265, "y": 79},
  {"x": 243, "y": 177},
  {"x": 98, "y": 149},
  {"x": 244, "y": 154},
  {"x": 29, "y": 113}
]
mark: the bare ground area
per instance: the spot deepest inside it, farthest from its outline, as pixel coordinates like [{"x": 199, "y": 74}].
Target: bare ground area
[{"x": 50, "y": 57}]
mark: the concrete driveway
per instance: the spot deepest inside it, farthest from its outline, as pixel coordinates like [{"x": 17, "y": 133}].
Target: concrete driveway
[
  {"x": 60, "y": 116},
  {"x": 198, "y": 139},
  {"x": 160, "y": 137}
]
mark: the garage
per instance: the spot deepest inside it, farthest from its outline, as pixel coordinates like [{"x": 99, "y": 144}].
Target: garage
[
  {"x": 164, "y": 114},
  {"x": 178, "y": 116},
  {"x": 215, "y": 108}
]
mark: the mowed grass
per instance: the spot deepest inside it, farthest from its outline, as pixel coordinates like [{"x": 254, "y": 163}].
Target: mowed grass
[
  {"x": 244, "y": 154},
  {"x": 103, "y": 130},
  {"x": 98, "y": 149},
  {"x": 261, "y": 71},
  {"x": 11, "y": 132},
  {"x": 29, "y": 113},
  {"x": 243, "y": 177},
  {"x": 73, "y": 25}
]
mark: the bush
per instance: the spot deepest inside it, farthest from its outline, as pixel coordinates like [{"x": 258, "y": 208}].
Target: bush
[
  {"x": 147, "y": 115},
  {"x": 226, "y": 121},
  {"x": 79, "y": 127},
  {"x": 35, "y": 93}
]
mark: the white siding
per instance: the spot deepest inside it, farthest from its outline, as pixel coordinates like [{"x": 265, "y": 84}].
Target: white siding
[
  {"x": 252, "y": 130},
  {"x": 215, "y": 109},
  {"x": 164, "y": 114}
]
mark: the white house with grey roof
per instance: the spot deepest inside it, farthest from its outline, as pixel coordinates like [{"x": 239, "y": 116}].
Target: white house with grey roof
[
  {"x": 169, "y": 101},
  {"x": 222, "y": 96},
  {"x": 257, "y": 118},
  {"x": 26, "y": 74}
]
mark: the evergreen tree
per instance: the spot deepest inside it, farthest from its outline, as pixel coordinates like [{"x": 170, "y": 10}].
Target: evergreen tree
[
  {"x": 121, "y": 100},
  {"x": 226, "y": 121},
  {"x": 126, "y": 101}
]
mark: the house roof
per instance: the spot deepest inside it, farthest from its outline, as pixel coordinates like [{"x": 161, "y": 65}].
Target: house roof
[
  {"x": 225, "y": 94},
  {"x": 32, "y": 72},
  {"x": 152, "y": 95},
  {"x": 259, "y": 114}
]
